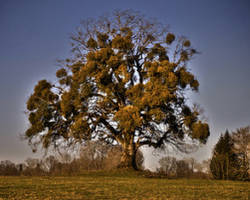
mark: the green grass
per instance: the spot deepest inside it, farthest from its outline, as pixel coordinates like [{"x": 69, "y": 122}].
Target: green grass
[{"x": 119, "y": 185}]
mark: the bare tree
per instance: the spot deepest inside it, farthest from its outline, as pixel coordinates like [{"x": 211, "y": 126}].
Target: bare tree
[
  {"x": 168, "y": 166},
  {"x": 241, "y": 139}
]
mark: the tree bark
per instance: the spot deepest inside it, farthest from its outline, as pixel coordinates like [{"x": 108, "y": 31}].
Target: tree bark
[{"x": 128, "y": 158}]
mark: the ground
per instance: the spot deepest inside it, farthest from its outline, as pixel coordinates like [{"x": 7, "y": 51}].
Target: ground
[{"x": 116, "y": 185}]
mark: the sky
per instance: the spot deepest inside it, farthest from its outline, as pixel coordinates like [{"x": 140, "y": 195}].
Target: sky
[{"x": 34, "y": 34}]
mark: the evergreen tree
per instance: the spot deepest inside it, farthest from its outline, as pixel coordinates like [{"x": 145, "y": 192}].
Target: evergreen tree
[{"x": 224, "y": 163}]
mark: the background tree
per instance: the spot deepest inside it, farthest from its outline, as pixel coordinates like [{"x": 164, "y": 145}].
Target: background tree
[
  {"x": 241, "y": 140},
  {"x": 33, "y": 167},
  {"x": 168, "y": 166},
  {"x": 93, "y": 155},
  {"x": 113, "y": 158},
  {"x": 96, "y": 155},
  {"x": 191, "y": 163},
  {"x": 49, "y": 163},
  {"x": 224, "y": 163},
  {"x": 125, "y": 83},
  {"x": 205, "y": 165},
  {"x": 8, "y": 168},
  {"x": 172, "y": 167},
  {"x": 183, "y": 169}
]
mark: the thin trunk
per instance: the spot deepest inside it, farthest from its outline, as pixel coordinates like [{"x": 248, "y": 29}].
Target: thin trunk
[{"x": 227, "y": 166}]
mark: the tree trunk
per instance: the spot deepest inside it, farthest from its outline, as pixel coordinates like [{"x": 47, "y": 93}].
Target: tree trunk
[{"x": 128, "y": 158}]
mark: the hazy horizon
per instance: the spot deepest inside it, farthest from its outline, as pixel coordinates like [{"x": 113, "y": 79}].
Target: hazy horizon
[{"x": 34, "y": 34}]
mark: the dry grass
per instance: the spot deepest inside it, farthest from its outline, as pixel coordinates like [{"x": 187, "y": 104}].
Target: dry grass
[{"x": 117, "y": 185}]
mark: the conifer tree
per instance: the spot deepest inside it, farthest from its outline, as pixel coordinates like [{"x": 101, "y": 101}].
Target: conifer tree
[
  {"x": 125, "y": 83},
  {"x": 224, "y": 163}
]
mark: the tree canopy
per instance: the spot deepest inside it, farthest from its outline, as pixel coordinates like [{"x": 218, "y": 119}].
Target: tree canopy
[{"x": 125, "y": 83}]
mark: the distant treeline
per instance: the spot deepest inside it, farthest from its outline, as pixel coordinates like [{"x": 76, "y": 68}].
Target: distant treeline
[
  {"x": 185, "y": 168},
  {"x": 230, "y": 161},
  {"x": 94, "y": 155}
]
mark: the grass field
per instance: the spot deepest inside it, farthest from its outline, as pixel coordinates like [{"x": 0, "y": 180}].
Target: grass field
[{"x": 116, "y": 185}]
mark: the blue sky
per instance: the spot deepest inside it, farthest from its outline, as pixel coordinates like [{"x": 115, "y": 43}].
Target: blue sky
[{"x": 34, "y": 34}]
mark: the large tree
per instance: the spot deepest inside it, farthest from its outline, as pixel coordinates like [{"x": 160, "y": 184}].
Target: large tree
[{"x": 125, "y": 83}]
